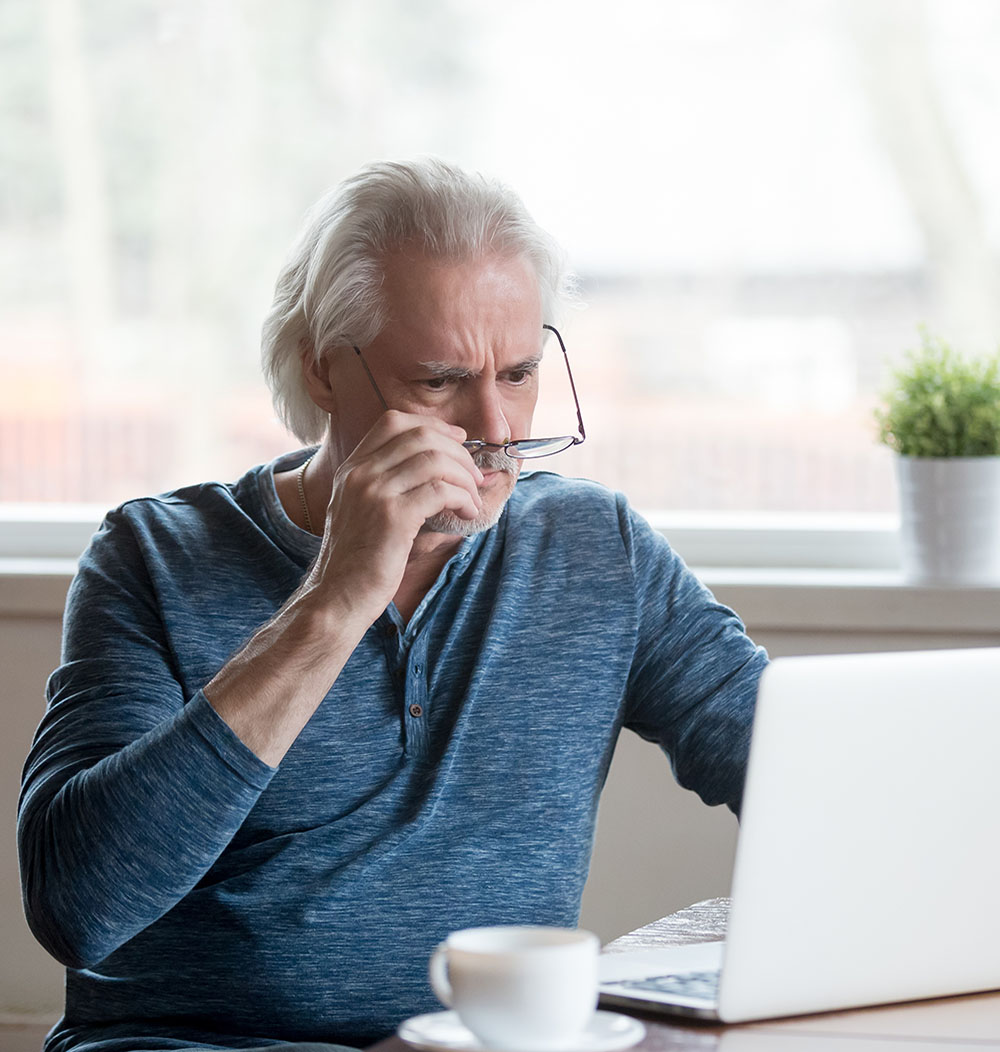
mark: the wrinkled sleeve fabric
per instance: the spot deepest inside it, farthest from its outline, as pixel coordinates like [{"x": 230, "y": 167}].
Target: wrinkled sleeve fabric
[
  {"x": 695, "y": 672},
  {"x": 131, "y": 790}
]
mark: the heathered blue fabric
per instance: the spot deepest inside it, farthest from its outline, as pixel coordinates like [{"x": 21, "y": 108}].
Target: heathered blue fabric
[{"x": 201, "y": 898}]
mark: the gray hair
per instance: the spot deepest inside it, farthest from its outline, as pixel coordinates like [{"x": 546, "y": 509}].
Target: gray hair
[{"x": 329, "y": 292}]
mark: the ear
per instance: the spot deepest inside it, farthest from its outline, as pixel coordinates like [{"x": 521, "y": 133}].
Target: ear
[{"x": 317, "y": 373}]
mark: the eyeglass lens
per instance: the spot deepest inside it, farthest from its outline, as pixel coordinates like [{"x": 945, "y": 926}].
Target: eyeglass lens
[{"x": 526, "y": 448}]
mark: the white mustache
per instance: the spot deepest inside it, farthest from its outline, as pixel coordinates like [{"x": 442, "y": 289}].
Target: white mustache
[{"x": 494, "y": 460}]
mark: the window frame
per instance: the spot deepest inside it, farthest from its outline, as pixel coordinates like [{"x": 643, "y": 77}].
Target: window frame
[{"x": 727, "y": 540}]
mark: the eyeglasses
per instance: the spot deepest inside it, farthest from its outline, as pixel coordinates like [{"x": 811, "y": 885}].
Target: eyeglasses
[{"x": 518, "y": 448}]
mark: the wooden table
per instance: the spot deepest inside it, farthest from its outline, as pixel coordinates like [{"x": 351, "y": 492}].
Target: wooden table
[{"x": 953, "y": 1024}]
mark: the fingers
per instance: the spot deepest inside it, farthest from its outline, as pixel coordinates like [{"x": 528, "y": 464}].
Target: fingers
[
  {"x": 406, "y": 470},
  {"x": 430, "y": 498},
  {"x": 410, "y": 456},
  {"x": 394, "y": 426}
]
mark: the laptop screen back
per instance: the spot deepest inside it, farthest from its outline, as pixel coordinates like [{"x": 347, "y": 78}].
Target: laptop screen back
[{"x": 868, "y": 862}]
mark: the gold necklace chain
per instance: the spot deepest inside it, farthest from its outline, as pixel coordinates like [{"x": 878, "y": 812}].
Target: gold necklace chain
[{"x": 300, "y": 479}]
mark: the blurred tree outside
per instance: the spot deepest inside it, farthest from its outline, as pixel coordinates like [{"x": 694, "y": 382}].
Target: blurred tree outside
[{"x": 762, "y": 202}]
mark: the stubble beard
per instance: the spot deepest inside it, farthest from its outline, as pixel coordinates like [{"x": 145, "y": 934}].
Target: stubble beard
[{"x": 485, "y": 460}]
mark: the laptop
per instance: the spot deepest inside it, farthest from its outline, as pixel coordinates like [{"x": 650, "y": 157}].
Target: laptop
[{"x": 868, "y": 862}]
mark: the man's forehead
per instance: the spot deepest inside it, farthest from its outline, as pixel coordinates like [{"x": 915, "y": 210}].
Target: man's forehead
[
  {"x": 418, "y": 285},
  {"x": 447, "y": 339},
  {"x": 457, "y": 371},
  {"x": 464, "y": 317}
]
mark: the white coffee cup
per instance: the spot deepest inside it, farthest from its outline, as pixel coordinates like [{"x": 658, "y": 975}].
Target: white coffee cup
[{"x": 519, "y": 989}]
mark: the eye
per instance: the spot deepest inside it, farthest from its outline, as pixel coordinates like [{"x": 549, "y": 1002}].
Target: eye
[
  {"x": 437, "y": 383},
  {"x": 522, "y": 375}
]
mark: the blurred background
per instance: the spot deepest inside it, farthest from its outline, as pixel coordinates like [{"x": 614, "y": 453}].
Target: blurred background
[{"x": 762, "y": 202}]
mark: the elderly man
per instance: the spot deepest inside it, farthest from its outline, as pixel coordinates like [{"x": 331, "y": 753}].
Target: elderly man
[{"x": 308, "y": 723}]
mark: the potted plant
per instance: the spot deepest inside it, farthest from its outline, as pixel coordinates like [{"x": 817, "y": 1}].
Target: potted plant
[{"x": 942, "y": 418}]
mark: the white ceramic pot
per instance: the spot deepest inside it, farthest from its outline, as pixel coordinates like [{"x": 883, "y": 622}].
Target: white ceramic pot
[{"x": 950, "y": 519}]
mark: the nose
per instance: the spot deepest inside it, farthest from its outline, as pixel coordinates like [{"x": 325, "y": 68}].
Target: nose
[{"x": 485, "y": 418}]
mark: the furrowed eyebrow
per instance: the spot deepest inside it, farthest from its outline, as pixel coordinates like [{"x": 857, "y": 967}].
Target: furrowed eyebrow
[{"x": 447, "y": 371}]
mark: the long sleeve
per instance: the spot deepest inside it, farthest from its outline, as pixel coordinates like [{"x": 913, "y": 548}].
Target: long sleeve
[
  {"x": 131, "y": 790},
  {"x": 695, "y": 671}
]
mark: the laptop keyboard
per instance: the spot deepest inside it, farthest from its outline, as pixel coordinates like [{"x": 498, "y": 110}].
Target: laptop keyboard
[{"x": 703, "y": 985}]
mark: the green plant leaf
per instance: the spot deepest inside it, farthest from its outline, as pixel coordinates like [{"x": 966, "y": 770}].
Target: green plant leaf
[{"x": 942, "y": 405}]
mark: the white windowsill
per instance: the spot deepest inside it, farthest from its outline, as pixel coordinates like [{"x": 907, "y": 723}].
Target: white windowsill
[
  {"x": 766, "y": 598},
  {"x": 852, "y": 601}
]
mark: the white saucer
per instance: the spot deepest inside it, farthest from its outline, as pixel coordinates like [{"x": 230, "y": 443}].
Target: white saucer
[{"x": 444, "y": 1032}]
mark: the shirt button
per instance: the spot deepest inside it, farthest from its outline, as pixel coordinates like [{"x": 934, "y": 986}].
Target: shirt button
[
  {"x": 417, "y": 670},
  {"x": 416, "y": 711}
]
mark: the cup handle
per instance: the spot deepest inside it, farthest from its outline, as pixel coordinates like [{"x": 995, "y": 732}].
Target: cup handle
[{"x": 437, "y": 971}]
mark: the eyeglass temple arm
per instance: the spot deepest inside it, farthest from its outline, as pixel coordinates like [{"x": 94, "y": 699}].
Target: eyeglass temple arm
[
  {"x": 572, "y": 384},
  {"x": 371, "y": 379}
]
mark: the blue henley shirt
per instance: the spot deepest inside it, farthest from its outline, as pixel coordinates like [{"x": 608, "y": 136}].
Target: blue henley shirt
[{"x": 450, "y": 778}]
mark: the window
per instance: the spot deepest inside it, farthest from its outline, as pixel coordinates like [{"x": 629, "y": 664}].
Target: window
[{"x": 762, "y": 200}]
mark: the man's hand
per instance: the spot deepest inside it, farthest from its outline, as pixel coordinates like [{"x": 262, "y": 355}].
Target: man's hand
[{"x": 405, "y": 470}]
